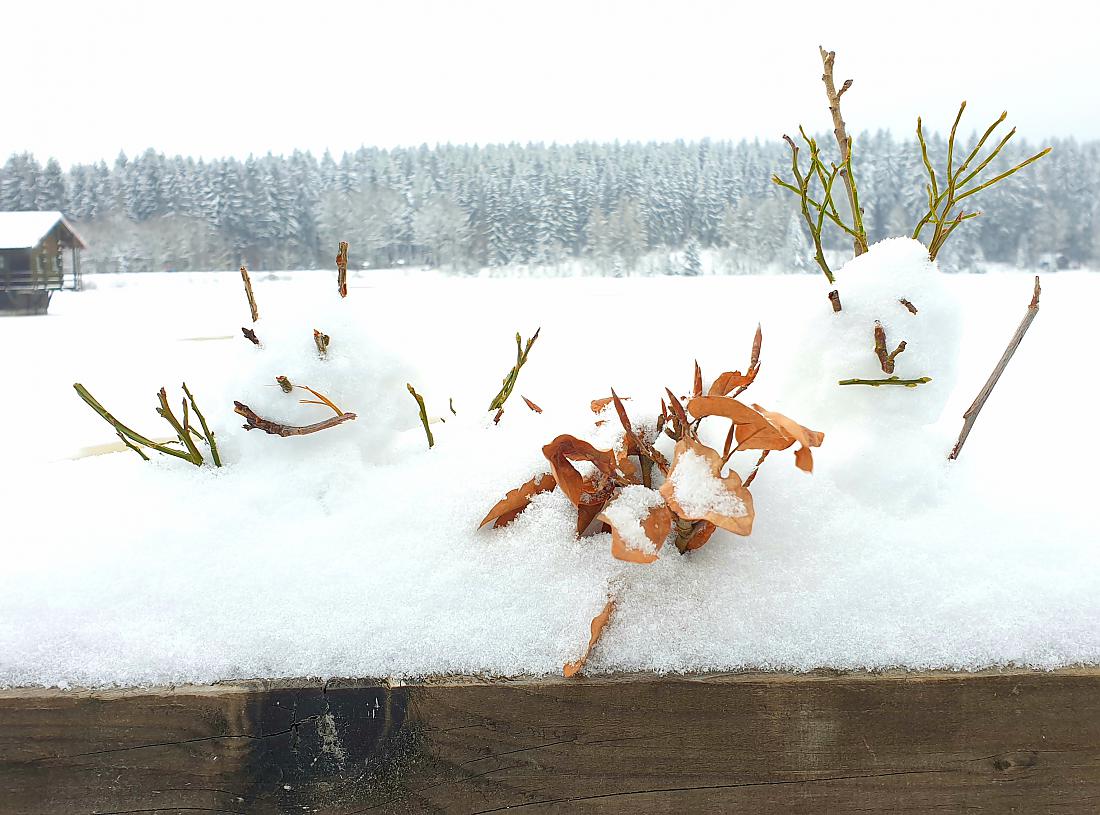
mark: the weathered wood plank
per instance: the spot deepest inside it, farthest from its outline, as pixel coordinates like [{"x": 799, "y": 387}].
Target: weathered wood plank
[{"x": 1015, "y": 741}]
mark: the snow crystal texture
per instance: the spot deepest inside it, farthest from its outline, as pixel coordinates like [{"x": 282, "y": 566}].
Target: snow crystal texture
[{"x": 355, "y": 552}]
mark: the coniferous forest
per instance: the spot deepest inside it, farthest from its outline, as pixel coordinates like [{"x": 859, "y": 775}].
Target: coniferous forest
[{"x": 620, "y": 208}]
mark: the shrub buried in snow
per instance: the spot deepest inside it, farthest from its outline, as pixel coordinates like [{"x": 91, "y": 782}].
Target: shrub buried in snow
[{"x": 616, "y": 494}]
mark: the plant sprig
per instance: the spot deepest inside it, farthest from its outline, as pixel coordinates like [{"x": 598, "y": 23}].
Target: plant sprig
[
  {"x": 182, "y": 428},
  {"x": 815, "y": 212},
  {"x": 509, "y": 382},
  {"x": 944, "y": 212}
]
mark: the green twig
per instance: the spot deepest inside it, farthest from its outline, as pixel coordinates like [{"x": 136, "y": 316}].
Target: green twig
[
  {"x": 802, "y": 190},
  {"x": 423, "y": 415},
  {"x": 893, "y": 380},
  {"x": 122, "y": 429},
  {"x": 132, "y": 446},
  {"x": 166, "y": 413},
  {"x": 210, "y": 441},
  {"x": 510, "y": 380},
  {"x": 942, "y": 214}
]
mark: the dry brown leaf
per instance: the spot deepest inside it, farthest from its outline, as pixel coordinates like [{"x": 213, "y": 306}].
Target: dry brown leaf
[
  {"x": 657, "y": 525},
  {"x": 738, "y": 524},
  {"x": 697, "y": 384},
  {"x": 738, "y": 412},
  {"x": 727, "y": 382},
  {"x": 515, "y": 501},
  {"x": 700, "y": 536},
  {"x": 804, "y": 459},
  {"x": 587, "y": 512},
  {"x": 530, "y": 404},
  {"x": 735, "y": 379},
  {"x": 564, "y": 449},
  {"x": 779, "y": 433},
  {"x": 599, "y": 623},
  {"x": 600, "y": 404},
  {"x": 677, "y": 410}
]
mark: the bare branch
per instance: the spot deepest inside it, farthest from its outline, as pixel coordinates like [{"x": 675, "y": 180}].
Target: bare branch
[
  {"x": 342, "y": 268},
  {"x": 255, "y": 422},
  {"x": 251, "y": 297},
  {"x": 971, "y": 415},
  {"x": 885, "y": 358},
  {"x": 844, "y": 142}
]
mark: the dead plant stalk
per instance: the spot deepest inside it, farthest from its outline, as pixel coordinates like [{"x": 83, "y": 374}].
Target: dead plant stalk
[{"x": 971, "y": 415}]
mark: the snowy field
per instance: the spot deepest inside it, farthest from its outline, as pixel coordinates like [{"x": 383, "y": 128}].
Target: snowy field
[{"x": 355, "y": 551}]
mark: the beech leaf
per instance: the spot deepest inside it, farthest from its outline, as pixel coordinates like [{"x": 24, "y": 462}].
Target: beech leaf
[
  {"x": 779, "y": 433},
  {"x": 727, "y": 382},
  {"x": 735, "y": 379},
  {"x": 700, "y": 536},
  {"x": 656, "y": 525},
  {"x": 714, "y": 506},
  {"x": 600, "y": 404},
  {"x": 599, "y": 623},
  {"x": 738, "y": 412},
  {"x": 588, "y": 512},
  {"x": 565, "y": 449},
  {"x": 515, "y": 501}
]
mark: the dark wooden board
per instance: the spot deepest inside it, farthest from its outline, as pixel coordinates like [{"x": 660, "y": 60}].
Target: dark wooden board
[{"x": 1013, "y": 741}]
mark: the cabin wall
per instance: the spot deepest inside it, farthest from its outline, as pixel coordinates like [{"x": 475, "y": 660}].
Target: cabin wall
[
  {"x": 48, "y": 263},
  {"x": 15, "y": 268},
  {"x": 33, "y": 269}
]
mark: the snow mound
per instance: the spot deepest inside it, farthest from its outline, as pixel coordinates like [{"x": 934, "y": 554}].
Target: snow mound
[
  {"x": 357, "y": 373},
  {"x": 356, "y": 551},
  {"x": 841, "y": 345},
  {"x": 888, "y": 449}
]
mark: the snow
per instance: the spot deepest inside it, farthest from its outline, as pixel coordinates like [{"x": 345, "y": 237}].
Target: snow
[
  {"x": 698, "y": 491},
  {"x": 355, "y": 551},
  {"x": 886, "y": 448},
  {"x": 23, "y": 230},
  {"x": 629, "y": 510}
]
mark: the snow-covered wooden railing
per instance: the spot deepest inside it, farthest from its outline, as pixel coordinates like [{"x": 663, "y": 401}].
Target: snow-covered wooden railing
[{"x": 1015, "y": 740}]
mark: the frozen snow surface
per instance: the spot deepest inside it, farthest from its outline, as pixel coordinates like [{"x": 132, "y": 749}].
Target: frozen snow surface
[{"x": 355, "y": 551}]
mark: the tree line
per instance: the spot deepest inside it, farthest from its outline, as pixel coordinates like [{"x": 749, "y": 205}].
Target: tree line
[{"x": 462, "y": 207}]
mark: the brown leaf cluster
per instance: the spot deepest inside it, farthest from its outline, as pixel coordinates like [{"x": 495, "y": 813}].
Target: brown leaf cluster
[{"x": 634, "y": 462}]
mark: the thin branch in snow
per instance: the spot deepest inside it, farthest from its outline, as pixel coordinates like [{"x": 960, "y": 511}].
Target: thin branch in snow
[
  {"x": 256, "y": 422},
  {"x": 971, "y": 415},
  {"x": 248, "y": 291}
]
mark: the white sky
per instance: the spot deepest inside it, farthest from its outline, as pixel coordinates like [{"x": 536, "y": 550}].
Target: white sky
[{"x": 231, "y": 78}]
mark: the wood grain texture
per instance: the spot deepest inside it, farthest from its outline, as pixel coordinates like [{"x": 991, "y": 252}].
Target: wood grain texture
[{"x": 1014, "y": 741}]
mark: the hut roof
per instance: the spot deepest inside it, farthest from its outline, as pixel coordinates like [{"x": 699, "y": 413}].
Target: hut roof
[{"x": 24, "y": 230}]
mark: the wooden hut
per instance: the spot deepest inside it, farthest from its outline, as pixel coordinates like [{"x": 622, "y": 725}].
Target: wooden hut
[{"x": 33, "y": 260}]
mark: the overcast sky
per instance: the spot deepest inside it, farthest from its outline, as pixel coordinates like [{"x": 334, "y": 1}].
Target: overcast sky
[{"x": 232, "y": 78}]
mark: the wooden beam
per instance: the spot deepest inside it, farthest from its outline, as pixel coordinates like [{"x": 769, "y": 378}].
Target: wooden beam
[{"x": 1013, "y": 741}]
